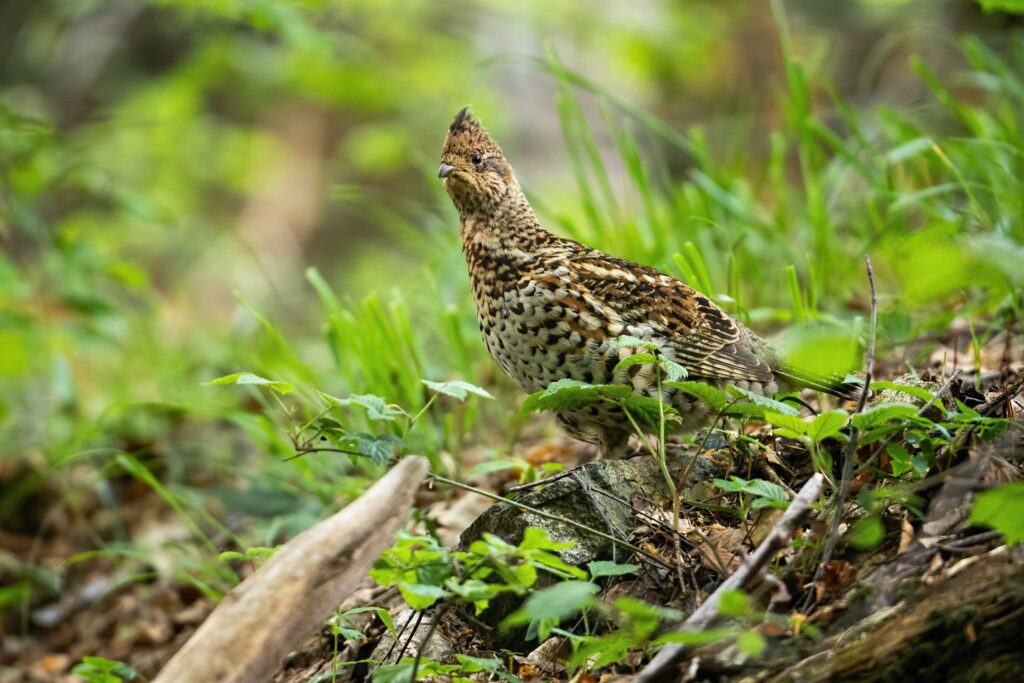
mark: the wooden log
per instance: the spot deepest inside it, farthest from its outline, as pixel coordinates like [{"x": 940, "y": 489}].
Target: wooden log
[{"x": 275, "y": 609}]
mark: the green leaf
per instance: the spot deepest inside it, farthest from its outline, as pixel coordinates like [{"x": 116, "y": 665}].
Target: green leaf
[
  {"x": 705, "y": 392},
  {"x": 570, "y": 394},
  {"x": 734, "y": 603},
  {"x": 249, "y": 378},
  {"x": 376, "y": 407},
  {"x": 379, "y": 448},
  {"x": 917, "y": 392},
  {"x": 538, "y": 539},
  {"x": 647, "y": 410},
  {"x": 1002, "y": 509},
  {"x": 554, "y": 603},
  {"x": 899, "y": 459},
  {"x": 420, "y": 595},
  {"x": 867, "y": 532},
  {"x": 456, "y": 389},
  {"x": 826, "y": 425},
  {"x": 638, "y": 359},
  {"x": 471, "y": 665},
  {"x": 600, "y": 568},
  {"x": 498, "y": 466},
  {"x": 624, "y": 341},
  {"x": 791, "y": 423},
  {"x": 393, "y": 673},
  {"x": 751, "y": 643},
  {"x": 766, "y": 402},
  {"x": 673, "y": 370},
  {"x": 884, "y": 413}
]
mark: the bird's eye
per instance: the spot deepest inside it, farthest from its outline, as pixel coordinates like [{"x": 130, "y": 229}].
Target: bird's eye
[{"x": 477, "y": 159}]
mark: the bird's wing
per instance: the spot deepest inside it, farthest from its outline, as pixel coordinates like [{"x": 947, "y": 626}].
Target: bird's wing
[{"x": 705, "y": 339}]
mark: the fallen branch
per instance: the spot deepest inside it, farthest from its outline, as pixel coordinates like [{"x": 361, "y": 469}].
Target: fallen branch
[
  {"x": 289, "y": 597},
  {"x": 665, "y": 665}
]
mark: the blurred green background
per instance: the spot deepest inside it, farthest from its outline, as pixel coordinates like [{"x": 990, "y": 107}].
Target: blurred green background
[{"x": 171, "y": 170}]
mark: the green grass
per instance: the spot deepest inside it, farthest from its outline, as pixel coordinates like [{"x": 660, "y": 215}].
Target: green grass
[{"x": 775, "y": 229}]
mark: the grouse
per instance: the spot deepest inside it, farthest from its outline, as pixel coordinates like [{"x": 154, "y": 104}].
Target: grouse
[{"x": 550, "y": 308}]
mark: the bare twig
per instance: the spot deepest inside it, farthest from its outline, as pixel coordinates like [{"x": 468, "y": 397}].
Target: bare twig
[
  {"x": 664, "y": 665},
  {"x": 851, "y": 446}
]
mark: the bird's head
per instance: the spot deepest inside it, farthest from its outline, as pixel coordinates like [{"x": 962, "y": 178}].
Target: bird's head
[{"x": 473, "y": 169}]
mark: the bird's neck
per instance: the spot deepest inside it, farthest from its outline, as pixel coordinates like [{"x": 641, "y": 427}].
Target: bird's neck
[{"x": 508, "y": 228}]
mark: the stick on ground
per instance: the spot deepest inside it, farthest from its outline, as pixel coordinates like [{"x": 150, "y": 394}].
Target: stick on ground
[
  {"x": 289, "y": 597},
  {"x": 664, "y": 666}
]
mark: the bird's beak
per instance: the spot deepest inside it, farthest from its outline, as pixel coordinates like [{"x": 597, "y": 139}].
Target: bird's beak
[{"x": 445, "y": 170}]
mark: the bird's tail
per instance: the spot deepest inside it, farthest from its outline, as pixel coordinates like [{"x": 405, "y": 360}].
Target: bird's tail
[{"x": 847, "y": 387}]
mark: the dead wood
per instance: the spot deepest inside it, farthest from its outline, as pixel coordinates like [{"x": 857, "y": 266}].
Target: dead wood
[
  {"x": 966, "y": 627},
  {"x": 288, "y": 598}
]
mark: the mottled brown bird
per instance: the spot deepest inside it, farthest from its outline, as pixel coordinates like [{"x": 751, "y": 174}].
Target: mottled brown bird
[{"x": 550, "y": 308}]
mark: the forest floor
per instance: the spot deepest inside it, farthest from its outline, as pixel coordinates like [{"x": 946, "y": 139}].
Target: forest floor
[{"x": 933, "y": 594}]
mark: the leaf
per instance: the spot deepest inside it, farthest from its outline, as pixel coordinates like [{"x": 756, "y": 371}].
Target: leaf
[
  {"x": 867, "y": 532},
  {"x": 646, "y": 410},
  {"x": 1002, "y": 509},
  {"x": 792, "y": 423},
  {"x": 498, "y": 466},
  {"x": 638, "y": 359},
  {"x": 705, "y": 392},
  {"x": 249, "y": 378},
  {"x": 538, "y": 539},
  {"x": 376, "y": 407},
  {"x": 883, "y": 413},
  {"x": 826, "y": 425},
  {"x": 758, "y": 399},
  {"x": 624, "y": 341},
  {"x": 569, "y": 394},
  {"x": 600, "y": 568},
  {"x": 382, "y": 614},
  {"x": 393, "y": 673},
  {"x": 456, "y": 388},
  {"x": 734, "y": 603},
  {"x": 899, "y": 459},
  {"x": 917, "y": 392},
  {"x": 420, "y": 595},
  {"x": 381, "y": 449},
  {"x": 673, "y": 370},
  {"x": 554, "y": 603},
  {"x": 751, "y": 643}
]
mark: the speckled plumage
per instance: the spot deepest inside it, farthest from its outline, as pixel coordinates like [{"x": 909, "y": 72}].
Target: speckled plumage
[{"x": 550, "y": 308}]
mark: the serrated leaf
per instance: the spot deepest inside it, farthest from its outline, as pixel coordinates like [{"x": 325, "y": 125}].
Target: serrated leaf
[
  {"x": 638, "y": 359},
  {"x": 1002, "y": 509},
  {"x": 626, "y": 341},
  {"x": 600, "y": 568},
  {"x": 826, "y": 425},
  {"x": 456, "y": 388},
  {"x": 570, "y": 394},
  {"x": 705, "y": 392},
  {"x": 376, "y": 407},
  {"x": 768, "y": 403},
  {"x": 380, "y": 448},
  {"x": 249, "y": 378},
  {"x": 673, "y": 370},
  {"x": 646, "y": 410}
]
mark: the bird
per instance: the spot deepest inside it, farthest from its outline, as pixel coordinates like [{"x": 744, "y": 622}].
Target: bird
[{"x": 550, "y": 308}]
